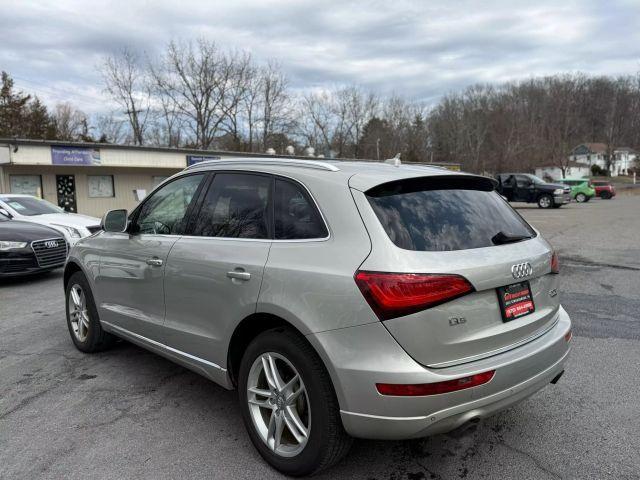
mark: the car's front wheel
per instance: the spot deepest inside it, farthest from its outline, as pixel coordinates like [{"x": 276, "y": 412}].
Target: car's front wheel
[
  {"x": 289, "y": 405},
  {"x": 545, "y": 201},
  {"x": 581, "y": 198},
  {"x": 82, "y": 317}
]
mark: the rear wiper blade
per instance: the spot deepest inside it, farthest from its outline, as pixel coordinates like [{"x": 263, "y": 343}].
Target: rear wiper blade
[{"x": 501, "y": 238}]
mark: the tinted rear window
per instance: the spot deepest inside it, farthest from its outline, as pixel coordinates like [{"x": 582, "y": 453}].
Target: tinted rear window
[{"x": 445, "y": 216}]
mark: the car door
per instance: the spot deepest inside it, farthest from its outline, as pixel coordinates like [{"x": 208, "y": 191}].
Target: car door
[
  {"x": 524, "y": 190},
  {"x": 130, "y": 284},
  {"x": 213, "y": 274}
]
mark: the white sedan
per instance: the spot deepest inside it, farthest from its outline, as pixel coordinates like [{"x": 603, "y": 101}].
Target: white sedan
[{"x": 32, "y": 209}]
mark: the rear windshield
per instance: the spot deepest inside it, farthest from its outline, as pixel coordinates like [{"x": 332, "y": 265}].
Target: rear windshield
[{"x": 445, "y": 216}]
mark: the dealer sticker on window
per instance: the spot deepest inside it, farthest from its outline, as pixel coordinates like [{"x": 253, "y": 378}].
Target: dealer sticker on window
[{"x": 515, "y": 301}]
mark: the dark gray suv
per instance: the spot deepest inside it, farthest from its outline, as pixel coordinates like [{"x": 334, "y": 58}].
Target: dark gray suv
[{"x": 341, "y": 299}]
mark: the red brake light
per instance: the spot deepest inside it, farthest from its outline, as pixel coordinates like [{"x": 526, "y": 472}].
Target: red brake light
[
  {"x": 393, "y": 295},
  {"x": 555, "y": 263},
  {"x": 421, "y": 389}
]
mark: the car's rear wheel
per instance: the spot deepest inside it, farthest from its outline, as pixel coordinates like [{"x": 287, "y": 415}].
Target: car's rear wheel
[
  {"x": 605, "y": 195},
  {"x": 545, "y": 201},
  {"x": 82, "y": 317},
  {"x": 289, "y": 405},
  {"x": 581, "y": 198}
]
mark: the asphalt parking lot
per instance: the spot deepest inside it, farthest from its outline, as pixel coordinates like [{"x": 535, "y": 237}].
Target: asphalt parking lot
[{"x": 127, "y": 413}]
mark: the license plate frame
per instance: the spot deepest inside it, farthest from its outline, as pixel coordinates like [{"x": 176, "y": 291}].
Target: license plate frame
[{"x": 516, "y": 301}]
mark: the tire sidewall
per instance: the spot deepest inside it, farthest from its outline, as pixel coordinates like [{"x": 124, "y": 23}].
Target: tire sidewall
[
  {"x": 78, "y": 278},
  {"x": 279, "y": 342},
  {"x": 550, "y": 201},
  {"x": 581, "y": 198}
]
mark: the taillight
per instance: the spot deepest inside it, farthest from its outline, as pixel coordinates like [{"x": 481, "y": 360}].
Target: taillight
[
  {"x": 393, "y": 295},
  {"x": 555, "y": 263},
  {"x": 422, "y": 389}
]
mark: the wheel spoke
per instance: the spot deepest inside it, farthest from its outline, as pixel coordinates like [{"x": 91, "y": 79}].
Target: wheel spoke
[
  {"x": 266, "y": 366},
  {"x": 75, "y": 298},
  {"x": 294, "y": 395},
  {"x": 295, "y": 425},
  {"x": 290, "y": 383},
  {"x": 274, "y": 433}
]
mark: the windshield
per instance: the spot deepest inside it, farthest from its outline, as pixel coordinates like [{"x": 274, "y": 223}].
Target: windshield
[
  {"x": 31, "y": 206},
  {"x": 536, "y": 179},
  {"x": 445, "y": 220},
  {"x": 3, "y": 218}
]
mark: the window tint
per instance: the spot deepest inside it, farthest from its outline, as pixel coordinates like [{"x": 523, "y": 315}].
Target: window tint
[
  {"x": 164, "y": 212},
  {"x": 296, "y": 217},
  {"x": 523, "y": 181},
  {"x": 235, "y": 207},
  {"x": 443, "y": 220}
]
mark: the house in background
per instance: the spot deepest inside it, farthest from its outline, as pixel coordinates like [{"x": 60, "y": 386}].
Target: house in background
[
  {"x": 552, "y": 172},
  {"x": 596, "y": 154}
]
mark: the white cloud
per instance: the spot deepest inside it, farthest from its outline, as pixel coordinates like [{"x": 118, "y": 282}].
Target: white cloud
[{"x": 421, "y": 49}]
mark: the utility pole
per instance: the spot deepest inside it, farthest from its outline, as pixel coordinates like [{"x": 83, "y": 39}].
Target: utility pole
[{"x": 378, "y": 148}]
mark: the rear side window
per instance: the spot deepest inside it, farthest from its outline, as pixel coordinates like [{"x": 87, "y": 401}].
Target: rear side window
[
  {"x": 235, "y": 207},
  {"x": 296, "y": 217},
  {"x": 444, "y": 215}
]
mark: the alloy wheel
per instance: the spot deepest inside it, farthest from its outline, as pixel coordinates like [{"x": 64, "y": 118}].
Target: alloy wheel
[
  {"x": 279, "y": 404},
  {"x": 78, "y": 314},
  {"x": 545, "y": 202}
]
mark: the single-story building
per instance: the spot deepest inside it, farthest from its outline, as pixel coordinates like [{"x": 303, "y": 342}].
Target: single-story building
[{"x": 92, "y": 178}]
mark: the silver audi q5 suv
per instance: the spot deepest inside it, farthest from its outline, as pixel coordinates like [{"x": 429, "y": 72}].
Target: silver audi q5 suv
[{"x": 341, "y": 299}]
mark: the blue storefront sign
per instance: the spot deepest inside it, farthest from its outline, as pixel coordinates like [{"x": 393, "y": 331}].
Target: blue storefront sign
[
  {"x": 75, "y": 156},
  {"x": 193, "y": 159}
]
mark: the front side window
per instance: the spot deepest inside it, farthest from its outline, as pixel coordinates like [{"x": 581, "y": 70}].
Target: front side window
[
  {"x": 296, "y": 217},
  {"x": 235, "y": 207},
  {"x": 426, "y": 216},
  {"x": 164, "y": 212}
]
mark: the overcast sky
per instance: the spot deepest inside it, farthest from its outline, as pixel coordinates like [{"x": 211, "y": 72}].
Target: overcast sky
[{"x": 420, "y": 49}]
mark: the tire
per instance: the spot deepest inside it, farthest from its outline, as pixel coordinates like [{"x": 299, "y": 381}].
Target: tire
[
  {"x": 316, "y": 409},
  {"x": 581, "y": 198},
  {"x": 84, "y": 326},
  {"x": 605, "y": 196},
  {"x": 545, "y": 201}
]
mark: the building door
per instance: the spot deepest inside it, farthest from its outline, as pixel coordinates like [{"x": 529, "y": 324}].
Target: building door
[{"x": 66, "y": 188}]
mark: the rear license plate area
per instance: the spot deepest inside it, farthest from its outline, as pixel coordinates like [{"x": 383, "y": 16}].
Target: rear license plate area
[{"x": 515, "y": 301}]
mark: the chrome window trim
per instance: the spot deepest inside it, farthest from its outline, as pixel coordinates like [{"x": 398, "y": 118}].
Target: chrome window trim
[{"x": 163, "y": 346}]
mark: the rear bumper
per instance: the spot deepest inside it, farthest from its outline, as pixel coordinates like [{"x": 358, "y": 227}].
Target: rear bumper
[{"x": 359, "y": 357}]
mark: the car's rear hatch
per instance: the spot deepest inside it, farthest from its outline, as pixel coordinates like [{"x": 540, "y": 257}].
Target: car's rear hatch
[{"x": 445, "y": 226}]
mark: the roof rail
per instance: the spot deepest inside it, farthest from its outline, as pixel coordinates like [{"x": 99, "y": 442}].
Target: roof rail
[{"x": 280, "y": 162}]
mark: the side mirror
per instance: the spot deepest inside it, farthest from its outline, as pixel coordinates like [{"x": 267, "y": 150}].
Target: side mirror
[
  {"x": 114, "y": 221},
  {"x": 5, "y": 213}
]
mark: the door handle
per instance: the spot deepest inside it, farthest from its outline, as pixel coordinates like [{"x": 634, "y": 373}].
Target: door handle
[
  {"x": 239, "y": 275},
  {"x": 156, "y": 262}
]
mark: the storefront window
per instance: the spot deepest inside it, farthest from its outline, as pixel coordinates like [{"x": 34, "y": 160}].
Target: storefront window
[
  {"x": 100, "y": 186},
  {"x": 26, "y": 184}
]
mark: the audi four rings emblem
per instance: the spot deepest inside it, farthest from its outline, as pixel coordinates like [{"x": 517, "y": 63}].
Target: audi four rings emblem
[
  {"x": 521, "y": 270},
  {"x": 51, "y": 244}
]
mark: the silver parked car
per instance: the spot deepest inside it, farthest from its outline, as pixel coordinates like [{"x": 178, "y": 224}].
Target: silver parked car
[{"x": 341, "y": 299}]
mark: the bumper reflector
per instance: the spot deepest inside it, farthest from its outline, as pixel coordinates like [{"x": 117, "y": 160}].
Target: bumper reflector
[{"x": 423, "y": 389}]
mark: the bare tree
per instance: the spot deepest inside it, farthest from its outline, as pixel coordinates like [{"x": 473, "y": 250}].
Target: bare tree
[
  {"x": 197, "y": 79},
  {"x": 70, "y": 123},
  {"x": 128, "y": 85},
  {"x": 110, "y": 129}
]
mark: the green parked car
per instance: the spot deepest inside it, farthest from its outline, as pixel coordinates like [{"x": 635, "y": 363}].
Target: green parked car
[{"x": 581, "y": 189}]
